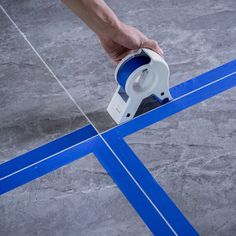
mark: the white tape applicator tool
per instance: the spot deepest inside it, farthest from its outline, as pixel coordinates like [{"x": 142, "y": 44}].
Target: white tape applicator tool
[{"x": 139, "y": 75}]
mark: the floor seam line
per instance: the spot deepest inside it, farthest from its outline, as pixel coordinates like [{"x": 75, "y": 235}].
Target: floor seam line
[{"x": 47, "y": 66}]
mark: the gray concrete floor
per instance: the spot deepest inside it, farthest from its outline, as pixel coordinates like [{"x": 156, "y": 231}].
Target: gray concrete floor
[{"x": 191, "y": 154}]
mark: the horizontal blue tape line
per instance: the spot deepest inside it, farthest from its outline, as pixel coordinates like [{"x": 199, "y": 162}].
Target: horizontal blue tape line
[
  {"x": 185, "y": 95},
  {"x": 142, "y": 191},
  {"x": 47, "y": 150},
  {"x": 46, "y": 165}
]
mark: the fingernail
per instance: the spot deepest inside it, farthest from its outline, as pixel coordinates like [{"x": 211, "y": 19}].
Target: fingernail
[{"x": 161, "y": 51}]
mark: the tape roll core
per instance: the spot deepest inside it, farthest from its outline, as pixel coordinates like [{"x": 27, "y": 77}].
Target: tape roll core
[{"x": 129, "y": 67}]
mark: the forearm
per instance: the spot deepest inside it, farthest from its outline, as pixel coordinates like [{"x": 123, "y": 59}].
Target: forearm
[
  {"x": 96, "y": 14},
  {"x": 117, "y": 38}
]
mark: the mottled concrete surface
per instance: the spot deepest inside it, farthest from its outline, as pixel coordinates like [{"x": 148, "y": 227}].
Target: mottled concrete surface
[
  {"x": 34, "y": 109},
  {"x": 191, "y": 154}
]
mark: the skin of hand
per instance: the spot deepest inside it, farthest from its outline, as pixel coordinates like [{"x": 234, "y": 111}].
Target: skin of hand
[
  {"x": 117, "y": 38},
  {"x": 127, "y": 39}
]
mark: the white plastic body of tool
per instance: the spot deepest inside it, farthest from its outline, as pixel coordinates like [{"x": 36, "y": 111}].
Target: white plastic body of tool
[{"x": 139, "y": 75}]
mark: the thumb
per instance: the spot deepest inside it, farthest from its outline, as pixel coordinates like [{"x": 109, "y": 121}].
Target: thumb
[{"x": 153, "y": 45}]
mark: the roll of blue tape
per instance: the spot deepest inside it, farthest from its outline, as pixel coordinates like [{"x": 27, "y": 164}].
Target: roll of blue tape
[{"x": 129, "y": 67}]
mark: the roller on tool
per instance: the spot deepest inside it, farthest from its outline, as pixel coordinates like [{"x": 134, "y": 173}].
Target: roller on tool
[{"x": 139, "y": 75}]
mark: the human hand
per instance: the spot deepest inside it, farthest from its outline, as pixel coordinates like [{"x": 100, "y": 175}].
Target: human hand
[
  {"x": 124, "y": 40},
  {"x": 117, "y": 38}
]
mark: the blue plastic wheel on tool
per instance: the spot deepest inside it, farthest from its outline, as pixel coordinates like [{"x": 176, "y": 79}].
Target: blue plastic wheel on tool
[{"x": 129, "y": 67}]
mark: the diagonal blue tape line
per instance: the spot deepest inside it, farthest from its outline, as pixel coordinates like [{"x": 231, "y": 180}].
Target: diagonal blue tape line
[
  {"x": 46, "y": 165},
  {"x": 47, "y": 150},
  {"x": 203, "y": 79},
  {"x": 140, "y": 188}
]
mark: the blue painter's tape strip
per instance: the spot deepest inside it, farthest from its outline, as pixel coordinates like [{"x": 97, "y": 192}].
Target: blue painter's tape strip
[
  {"x": 129, "y": 67},
  {"x": 185, "y": 95},
  {"x": 203, "y": 79},
  {"x": 46, "y": 150},
  {"x": 46, "y": 165},
  {"x": 140, "y": 188}
]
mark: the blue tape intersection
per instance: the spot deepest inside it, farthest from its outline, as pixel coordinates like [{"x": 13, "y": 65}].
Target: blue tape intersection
[{"x": 143, "y": 192}]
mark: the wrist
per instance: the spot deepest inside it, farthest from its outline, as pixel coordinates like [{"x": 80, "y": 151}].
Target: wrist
[{"x": 112, "y": 29}]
